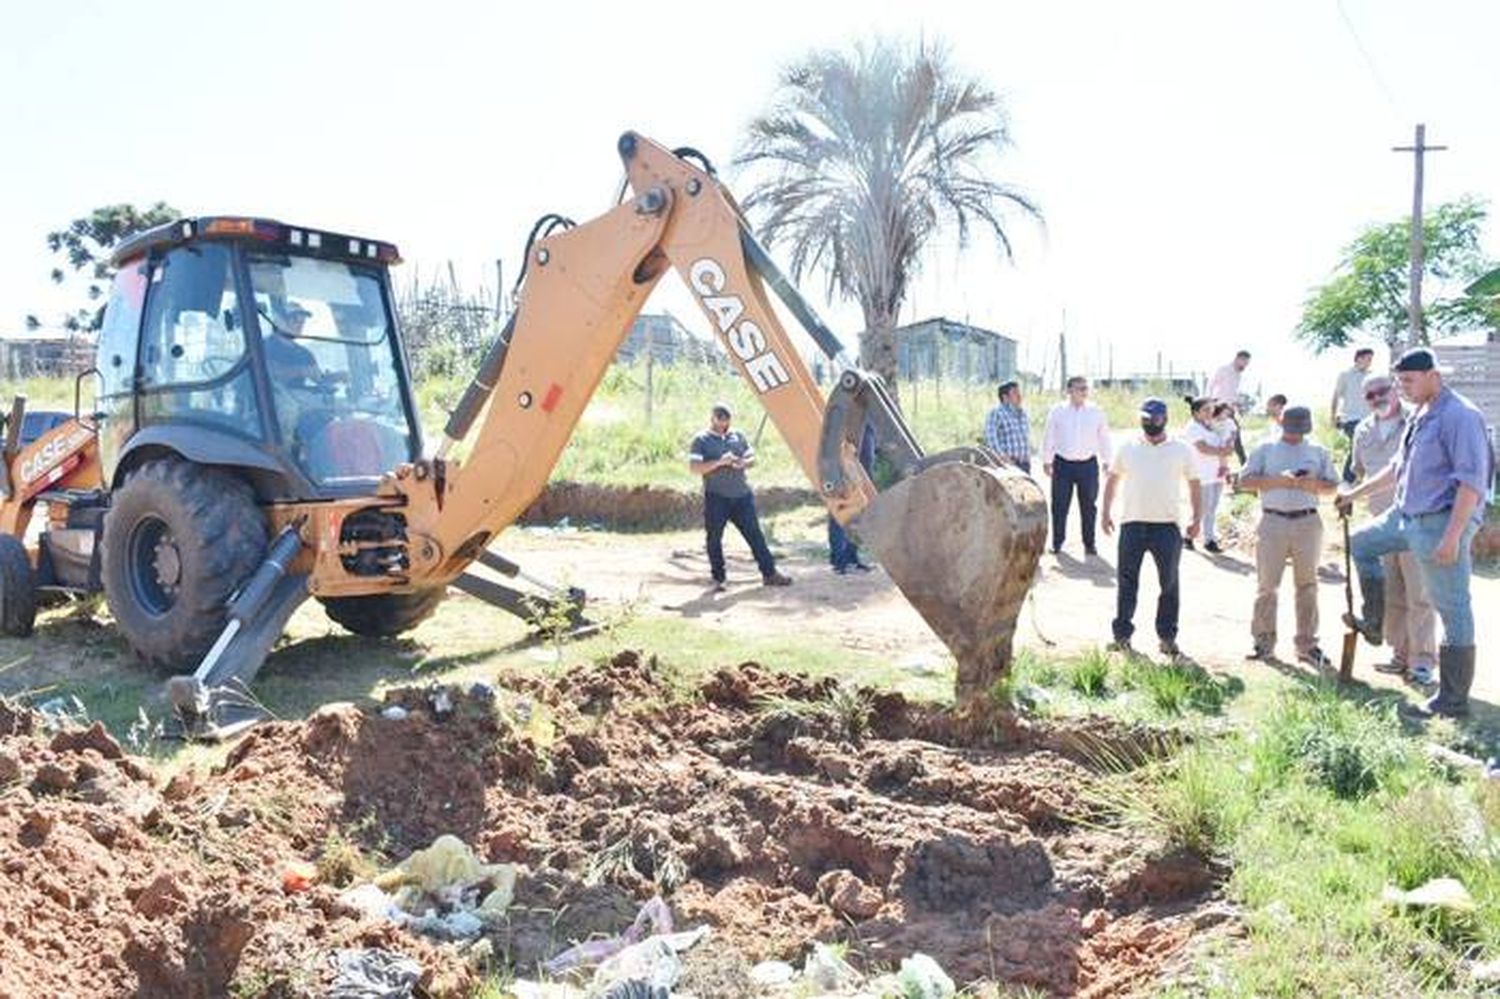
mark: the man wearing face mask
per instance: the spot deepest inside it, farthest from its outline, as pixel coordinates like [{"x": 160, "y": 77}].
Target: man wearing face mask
[
  {"x": 1150, "y": 473},
  {"x": 1410, "y": 623}
]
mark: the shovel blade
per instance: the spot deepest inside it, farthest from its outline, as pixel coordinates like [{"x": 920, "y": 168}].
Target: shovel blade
[
  {"x": 1346, "y": 657},
  {"x": 962, "y": 542}
]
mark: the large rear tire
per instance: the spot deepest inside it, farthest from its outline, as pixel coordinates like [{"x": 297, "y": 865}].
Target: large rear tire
[
  {"x": 383, "y": 615},
  {"x": 179, "y": 539},
  {"x": 17, "y": 588}
]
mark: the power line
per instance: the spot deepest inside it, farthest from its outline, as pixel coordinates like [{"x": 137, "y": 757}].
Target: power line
[{"x": 1365, "y": 54}]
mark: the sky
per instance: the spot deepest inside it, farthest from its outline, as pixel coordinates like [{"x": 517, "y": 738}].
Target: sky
[{"x": 1199, "y": 164}]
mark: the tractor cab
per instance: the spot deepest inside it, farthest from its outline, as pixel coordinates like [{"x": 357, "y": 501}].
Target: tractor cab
[{"x": 250, "y": 343}]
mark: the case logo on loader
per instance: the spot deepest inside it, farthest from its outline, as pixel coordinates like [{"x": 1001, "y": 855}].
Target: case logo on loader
[
  {"x": 745, "y": 338},
  {"x": 41, "y": 463}
]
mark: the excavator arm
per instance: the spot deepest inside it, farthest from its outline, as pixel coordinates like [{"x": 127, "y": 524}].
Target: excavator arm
[{"x": 958, "y": 533}]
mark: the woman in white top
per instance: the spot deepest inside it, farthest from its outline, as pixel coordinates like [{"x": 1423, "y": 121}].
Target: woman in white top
[{"x": 1212, "y": 448}]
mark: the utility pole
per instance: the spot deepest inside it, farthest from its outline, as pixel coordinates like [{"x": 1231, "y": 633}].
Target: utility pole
[
  {"x": 1414, "y": 282},
  {"x": 1062, "y": 353}
]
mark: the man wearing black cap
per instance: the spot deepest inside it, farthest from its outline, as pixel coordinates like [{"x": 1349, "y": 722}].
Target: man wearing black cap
[
  {"x": 1152, "y": 471},
  {"x": 721, "y": 456},
  {"x": 1290, "y": 474},
  {"x": 1443, "y": 472}
]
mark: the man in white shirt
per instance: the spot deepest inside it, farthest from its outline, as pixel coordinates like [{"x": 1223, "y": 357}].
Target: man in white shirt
[
  {"x": 1224, "y": 386},
  {"x": 1075, "y": 447},
  {"x": 1152, "y": 471},
  {"x": 1347, "y": 407}
]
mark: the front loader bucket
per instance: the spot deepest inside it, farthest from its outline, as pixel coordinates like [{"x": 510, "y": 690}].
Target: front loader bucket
[{"x": 962, "y": 541}]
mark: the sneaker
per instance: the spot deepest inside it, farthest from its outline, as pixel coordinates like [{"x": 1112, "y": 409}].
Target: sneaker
[
  {"x": 1187, "y": 543},
  {"x": 776, "y": 579},
  {"x": 1315, "y": 658},
  {"x": 1091, "y": 551},
  {"x": 1121, "y": 645},
  {"x": 1395, "y": 667},
  {"x": 1261, "y": 653},
  {"x": 1421, "y": 675},
  {"x": 861, "y": 567},
  {"x": 1169, "y": 648},
  {"x": 1213, "y": 548},
  {"x": 719, "y": 586},
  {"x": 842, "y": 570}
]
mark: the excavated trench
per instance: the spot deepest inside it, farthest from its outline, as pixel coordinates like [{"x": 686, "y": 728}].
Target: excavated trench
[{"x": 776, "y": 809}]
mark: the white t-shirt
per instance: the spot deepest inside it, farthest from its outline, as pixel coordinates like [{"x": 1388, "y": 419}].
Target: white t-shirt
[
  {"x": 1208, "y": 464},
  {"x": 1151, "y": 480}
]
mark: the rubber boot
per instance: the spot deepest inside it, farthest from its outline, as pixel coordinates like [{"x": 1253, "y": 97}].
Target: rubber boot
[
  {"x": 1371, "y": 622},
  {"x": 1455, "y": 677}
]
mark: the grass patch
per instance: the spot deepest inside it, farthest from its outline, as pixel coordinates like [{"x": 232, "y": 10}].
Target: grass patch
[{"x": 1088, "y": 675}]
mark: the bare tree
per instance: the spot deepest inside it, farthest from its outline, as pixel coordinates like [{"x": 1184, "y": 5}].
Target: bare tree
[{"x": 863, "y": 157}]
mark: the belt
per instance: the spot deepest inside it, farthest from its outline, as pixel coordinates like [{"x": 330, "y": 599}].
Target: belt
[{"x": 1291, "y": 514}]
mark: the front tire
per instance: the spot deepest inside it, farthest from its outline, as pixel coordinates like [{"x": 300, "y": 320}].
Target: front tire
[
  {"x": 179, "y": 539},
  {"x": 17, "y": 588},
  {"x": 383, "y": 615}
]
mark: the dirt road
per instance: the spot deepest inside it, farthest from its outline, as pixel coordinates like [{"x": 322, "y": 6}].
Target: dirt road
[{"x": 1071, "y": 610}]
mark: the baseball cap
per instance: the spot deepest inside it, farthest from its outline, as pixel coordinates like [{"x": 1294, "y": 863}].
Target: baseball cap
[
  {"x": 1418, "y": 359},
  {"x": 1296, "y": 420},
  {"x": 1154, "y": 409}
]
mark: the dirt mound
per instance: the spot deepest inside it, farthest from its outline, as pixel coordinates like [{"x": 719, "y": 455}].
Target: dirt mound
[
  {"x": 644, "y": 507},
  {"x": 777, "y": 809}
]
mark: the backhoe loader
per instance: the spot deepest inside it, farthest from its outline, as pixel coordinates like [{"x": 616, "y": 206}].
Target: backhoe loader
[{"x": 258, "y": 441}]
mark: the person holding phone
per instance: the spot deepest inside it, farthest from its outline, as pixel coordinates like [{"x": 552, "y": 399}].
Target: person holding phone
[
  {"x": 721, "y": 456},
  {"x": 1289, "y": 474}
]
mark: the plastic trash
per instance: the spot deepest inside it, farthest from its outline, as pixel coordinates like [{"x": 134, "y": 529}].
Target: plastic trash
[
  {"x": 636, "y": 989},
  {"x": 370, "y": 901},
  {"x": 449, "y": 863},
  {"x": 827, "y": 970},
  {"x": 373, "y": 974},
  {"x": 459, "y": 925},
  {"x": 395, "y": 713},
  {"x": 769, "y": 974},
  {"x": 522, "y": 989},
  {"x": 923, "y": 978},
  {"x": 654, "y": 914},
  {"x": 1439, "y": 893},
  {"x": 652, "y": 962}
]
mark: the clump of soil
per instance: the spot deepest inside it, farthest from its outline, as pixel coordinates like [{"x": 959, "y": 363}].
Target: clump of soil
[
  {"x": 777, "y": 809},
  {"x": 644, "y": 507}
]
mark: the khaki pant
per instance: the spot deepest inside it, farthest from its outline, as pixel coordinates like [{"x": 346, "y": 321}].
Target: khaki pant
[
  {"x": 1278, "y": 539},
  {"x": 1410, "y": 622}
]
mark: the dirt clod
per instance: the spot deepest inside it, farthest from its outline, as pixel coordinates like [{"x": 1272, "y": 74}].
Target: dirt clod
[{"x": 744, "y": 803}]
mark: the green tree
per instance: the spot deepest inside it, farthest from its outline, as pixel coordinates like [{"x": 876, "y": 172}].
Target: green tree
[
  {"x": 85, "y": 245},
  {"x": 1367, "y": 295},
  {"x": 864, "y": 156}
]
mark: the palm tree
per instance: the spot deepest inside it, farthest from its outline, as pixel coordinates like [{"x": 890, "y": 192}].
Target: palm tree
[{"x": 865, "y": 156}]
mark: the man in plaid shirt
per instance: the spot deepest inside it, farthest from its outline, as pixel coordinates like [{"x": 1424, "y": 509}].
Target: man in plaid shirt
[{"x": 1007, "y": 430}]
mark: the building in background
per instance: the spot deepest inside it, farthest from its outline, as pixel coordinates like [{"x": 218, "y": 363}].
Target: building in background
[
  {"x": 953, "y": 351},
  {"x": 45, "y": 353},
  {"x": 666, "y": 341}
]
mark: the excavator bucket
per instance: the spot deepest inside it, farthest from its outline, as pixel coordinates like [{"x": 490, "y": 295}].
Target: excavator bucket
[{"x": 962, "y": 541}]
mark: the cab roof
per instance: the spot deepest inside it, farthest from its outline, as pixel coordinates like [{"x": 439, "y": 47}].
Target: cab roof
[{"x": 268, "y": 232}]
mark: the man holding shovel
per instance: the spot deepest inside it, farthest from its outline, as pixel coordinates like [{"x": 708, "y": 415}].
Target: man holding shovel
[
  {"x": 1443, "y": 471},
  {"x": 1410, "y": 622}
]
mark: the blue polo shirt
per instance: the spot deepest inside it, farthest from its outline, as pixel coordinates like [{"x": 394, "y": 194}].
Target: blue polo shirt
[{"x": 1445, "y": 446}]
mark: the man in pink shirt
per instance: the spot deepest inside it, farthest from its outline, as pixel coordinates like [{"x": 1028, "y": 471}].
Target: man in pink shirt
[{"x": 1075, "y": 448}]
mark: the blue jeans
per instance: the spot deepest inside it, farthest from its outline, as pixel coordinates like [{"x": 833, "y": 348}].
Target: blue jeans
[
  {"x": 739, "y": 511},
  {"x": 1447, "y": 585},
  {"x": 1164, "y": 542},
  {"x": 843, "y": 553}
]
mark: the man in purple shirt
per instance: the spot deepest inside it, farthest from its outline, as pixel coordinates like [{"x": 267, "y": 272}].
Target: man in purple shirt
[{"x": 1443, "y": 471}]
